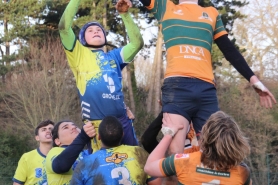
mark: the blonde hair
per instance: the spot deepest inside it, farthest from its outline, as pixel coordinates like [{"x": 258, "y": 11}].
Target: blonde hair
[{"x": 222, "y": 143}]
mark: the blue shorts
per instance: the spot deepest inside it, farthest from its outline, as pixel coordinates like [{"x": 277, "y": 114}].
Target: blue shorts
[
  {"x": 192, "y": 98},
  {"x": 129, "y": 133}
]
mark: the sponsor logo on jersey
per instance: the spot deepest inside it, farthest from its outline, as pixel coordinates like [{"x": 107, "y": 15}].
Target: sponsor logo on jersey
[
  {"x": 178, "y": 12},
  {"x": 192, "y": 52},
  {"x": 38, "y": 172},
  {"x": 110, "y": 81},
  {"x": 116, "y": 158},
  {"x": 180, "y": 156},
  {"x": 212, "y": 172},
  {"x": 111, "y": 87},
  {"x": 113, "y": 64},
  {"x": 205, "y": 16}
]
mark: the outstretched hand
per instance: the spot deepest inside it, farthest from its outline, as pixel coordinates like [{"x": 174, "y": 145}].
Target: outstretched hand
[
  {"x": 266, "y": 98},
  {"x": 122, "y": 6}
]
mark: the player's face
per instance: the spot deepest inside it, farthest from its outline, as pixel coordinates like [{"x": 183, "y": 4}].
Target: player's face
[
  {"x": 44, "y": 134},
  {"x": 67, "y": 132},
  {"x": 94, "y": 36}
]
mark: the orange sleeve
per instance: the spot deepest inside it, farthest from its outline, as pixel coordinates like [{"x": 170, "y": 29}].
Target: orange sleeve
[{"x": 160, "y": 167}]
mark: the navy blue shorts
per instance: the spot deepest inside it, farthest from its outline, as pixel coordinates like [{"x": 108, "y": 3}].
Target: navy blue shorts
[
  {"x": 192, "y": 98},
  {"x": 129, "y": 133}
]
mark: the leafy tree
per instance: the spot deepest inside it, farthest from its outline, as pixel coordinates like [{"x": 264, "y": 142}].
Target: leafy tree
[
  {"x": 17, "y": 19},
  {"x": 13, "y": 145}
]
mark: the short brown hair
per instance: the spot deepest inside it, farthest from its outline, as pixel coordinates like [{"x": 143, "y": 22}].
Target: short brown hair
[
  {"x": 222, "y": 143},
  {"x": 43, "y": 124}
]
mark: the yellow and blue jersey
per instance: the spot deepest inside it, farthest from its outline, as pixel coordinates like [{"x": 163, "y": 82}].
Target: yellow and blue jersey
[
  {"x": 64, "y": 178},
  {"x": 119, "y": 165},
  {"x": 99, "y": 81},
  {"x": 30, "y": 169}
]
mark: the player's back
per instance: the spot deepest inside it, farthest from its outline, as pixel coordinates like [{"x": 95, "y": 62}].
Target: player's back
[
  {"x": 190, "y": 170},
  {"x": 118, "y": 165}
]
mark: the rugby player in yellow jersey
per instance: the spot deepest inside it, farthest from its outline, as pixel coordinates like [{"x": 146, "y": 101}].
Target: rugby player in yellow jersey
[
  {"x": 223, "y": 148},
  {"x": 188, "y": 91},
  {"x": 68, "y": 149},
  {"x": 30, "y": 169},
  {"x": 114, "y": 163}
]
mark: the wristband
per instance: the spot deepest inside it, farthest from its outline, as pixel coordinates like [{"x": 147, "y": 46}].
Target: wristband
[
  {"x": 167, "y": 131},
  {"x": 259, "y": 85}
]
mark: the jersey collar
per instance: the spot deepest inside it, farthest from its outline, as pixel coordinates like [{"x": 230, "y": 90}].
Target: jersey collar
[{"x": 38, "y": 150}]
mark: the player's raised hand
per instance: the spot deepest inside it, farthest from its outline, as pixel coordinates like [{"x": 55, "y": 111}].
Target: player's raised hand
[
  {"x": 122, "y": 6},
  {"x": 89, "y": 129}
]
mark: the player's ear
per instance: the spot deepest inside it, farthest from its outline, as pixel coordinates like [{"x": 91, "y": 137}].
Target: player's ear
[
  {"x": 57, "y": 141},
  {"x": 37, "y": 138}
]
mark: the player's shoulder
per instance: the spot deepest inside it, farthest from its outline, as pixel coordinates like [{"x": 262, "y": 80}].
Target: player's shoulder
[
  {"x": 115, "y": 50},
  {"x": 243, "y": 167},
  {"x": 132, "y": 150},
  {"x": 189, "y": 157},
  {"x": 211, "y": 9},
  {"x": 32, "y": 153},
  {"x": 244, "y": 173},
  {"x": 54, "y": 151},
  {"x": 135, "y": 148}
]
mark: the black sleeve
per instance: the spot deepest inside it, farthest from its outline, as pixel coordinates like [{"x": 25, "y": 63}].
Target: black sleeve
[
  {"x": 148, "y": 139},
  {"x": 146, "y": 2},
  {"x": 234, "y": 57},
  {"x": 64, "y": 161}
]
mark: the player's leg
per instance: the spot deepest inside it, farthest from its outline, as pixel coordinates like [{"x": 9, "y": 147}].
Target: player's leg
[
  {"x": 148, "y": 138},
  {"x": 179, "y": 101},
  {"x": 208, "y": 105},
  {"x": 178, "y": 142}
]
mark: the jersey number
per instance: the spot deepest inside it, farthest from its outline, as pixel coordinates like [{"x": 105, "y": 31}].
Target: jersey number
[
  {"x": 213, "y": 182},
  {"x": 116, "y": 172}
]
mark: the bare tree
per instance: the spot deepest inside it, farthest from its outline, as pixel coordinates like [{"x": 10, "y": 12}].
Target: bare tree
[
  {"x": 155, "y": 81},
  {"x": 158, "y": 71},
  {"x": 257, "y": 33},
  {"x": 42, "y": 87}
]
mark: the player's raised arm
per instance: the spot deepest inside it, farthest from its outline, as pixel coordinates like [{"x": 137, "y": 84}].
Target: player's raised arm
[
  {"x": 135, "y": 37},
  {"x": 66, "y": 32},
  {"x": 239, "y": 63}
]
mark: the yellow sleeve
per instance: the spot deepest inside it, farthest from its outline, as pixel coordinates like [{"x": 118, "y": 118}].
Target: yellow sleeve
[
  {"x": 48, "y": 161},
  {"x": 20, "y": 175}
]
